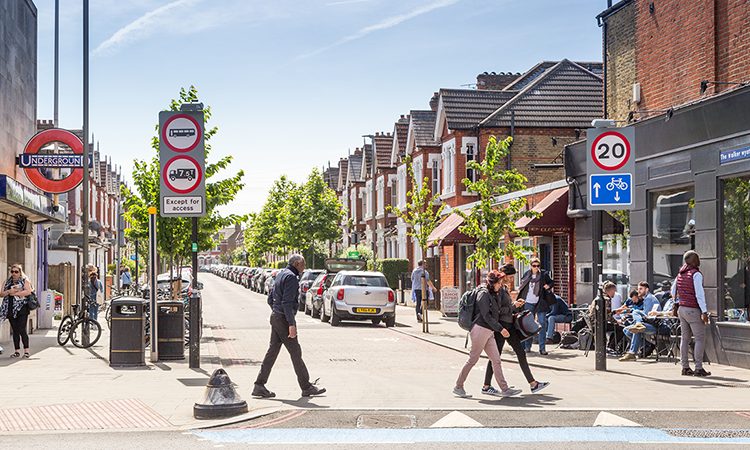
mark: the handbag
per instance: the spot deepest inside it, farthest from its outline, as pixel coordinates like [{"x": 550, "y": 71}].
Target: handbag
[
  {"x": 526, "y": 324},
  {"x": 32, "y": 302}
]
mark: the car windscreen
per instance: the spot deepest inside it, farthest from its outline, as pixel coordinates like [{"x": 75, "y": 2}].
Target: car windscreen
[
  {"x": 311, "y": 275},
  {"x": 365, "y": 281}
]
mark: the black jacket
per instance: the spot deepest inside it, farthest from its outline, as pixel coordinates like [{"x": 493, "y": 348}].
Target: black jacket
[
  {"x": 523, "y": 290},
  {"x": 489, "y": 310},
  {"x": 283, "y": 297}
]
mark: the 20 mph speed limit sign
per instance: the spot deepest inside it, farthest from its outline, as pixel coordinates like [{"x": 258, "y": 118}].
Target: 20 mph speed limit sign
[{"x": 610, "y": 166}]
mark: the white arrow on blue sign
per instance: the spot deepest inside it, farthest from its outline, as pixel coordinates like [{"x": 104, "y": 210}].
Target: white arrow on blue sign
[{"x": 611, "y": 189}]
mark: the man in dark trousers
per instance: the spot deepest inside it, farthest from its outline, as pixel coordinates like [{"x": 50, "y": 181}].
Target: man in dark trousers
[{"x": 283, "y": 302}]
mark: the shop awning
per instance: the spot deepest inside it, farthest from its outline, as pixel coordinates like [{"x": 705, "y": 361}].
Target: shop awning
[
  {"x": 19, "y": 199},
  {"x": 448, "y": 231},
  {"x": 554, "y": 218}
]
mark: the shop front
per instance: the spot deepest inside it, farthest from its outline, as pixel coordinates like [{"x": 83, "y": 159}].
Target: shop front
[{"x": 692, "y": 193}]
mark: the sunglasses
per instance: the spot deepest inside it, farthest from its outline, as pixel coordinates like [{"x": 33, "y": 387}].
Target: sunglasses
[
  {"x": 15, "y": 271},
  {"x": 535, "y": 265}
]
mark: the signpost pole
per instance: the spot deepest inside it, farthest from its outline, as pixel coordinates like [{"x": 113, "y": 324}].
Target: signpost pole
[
  {"x": 86, "y": 173},
  {"x": 600, "y": 346},
  {"x": 152, "y": 282},
  {"x": 195, "y": 306}
]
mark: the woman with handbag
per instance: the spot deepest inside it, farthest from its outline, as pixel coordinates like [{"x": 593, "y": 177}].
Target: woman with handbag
[
  {"x": 95, "y": 291},
  {"x": 535, "y": 292},
  {"x": 482, "y": 335},
  {"x": 506, "y": 310},
  {"x": 15, "y": 308}
]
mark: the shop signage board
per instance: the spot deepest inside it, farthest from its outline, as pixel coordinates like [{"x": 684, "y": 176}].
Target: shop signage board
[
  {"x": 449, "y": 297},
  {"x": 183, "y": 165},
  {"x": 610, "y": 168}
]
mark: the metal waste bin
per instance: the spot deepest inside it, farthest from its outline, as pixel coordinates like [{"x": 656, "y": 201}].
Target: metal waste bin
[
  {"x": 127, "y": 333},
  {"x": 171, "y": 330}
]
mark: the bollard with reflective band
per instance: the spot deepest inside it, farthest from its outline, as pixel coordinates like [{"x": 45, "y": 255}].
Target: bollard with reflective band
[{"x": 220, "y": 399}]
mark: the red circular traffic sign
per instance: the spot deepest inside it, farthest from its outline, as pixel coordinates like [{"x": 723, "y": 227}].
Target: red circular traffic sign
[
  {"x": 181, "y": 133},
  {"x": 182, "y": 174},
  {"x": 610, "y": 150},
  {"x": 35, "y": 176}
]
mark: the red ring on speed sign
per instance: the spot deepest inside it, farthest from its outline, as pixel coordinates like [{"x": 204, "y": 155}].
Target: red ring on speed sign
[
  {"x": 198, "y": 177},
  {"x": 198, "y": 133},
  {"x": 595, "y": 157},
  {"x": 35, "y": 176}
]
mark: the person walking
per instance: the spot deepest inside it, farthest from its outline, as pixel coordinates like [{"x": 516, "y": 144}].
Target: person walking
[
  {"x": 15, "y": 308},
  {"x": 688, "y": 291},
  {"x": 534, "y": 285},
  {"x": 506, "y": 309},
  {"x": 416, "y": 286},
  {"x": 125, "y": 279},
  {"x": 486, "y": 324},
  {"x": 95, "y": 287},
  {"x": 283, "y": 301}
]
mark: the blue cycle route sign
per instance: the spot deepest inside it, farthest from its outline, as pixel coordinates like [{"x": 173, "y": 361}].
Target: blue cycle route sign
[{"x": 611, "y": 189}]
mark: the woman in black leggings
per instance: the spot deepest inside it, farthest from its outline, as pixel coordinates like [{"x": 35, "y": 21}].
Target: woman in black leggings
[
  {"x": 14, "y": 307},
  {"x": 506, "y": 320}
]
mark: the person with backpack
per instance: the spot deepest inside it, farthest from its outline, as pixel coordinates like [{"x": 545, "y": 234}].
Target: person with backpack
[
  {"x": 535, "y": 292},
  {"x": 506, "y": 309},
  {"x": 486, "y": 322},
  {"x": 15, "y": 308}
]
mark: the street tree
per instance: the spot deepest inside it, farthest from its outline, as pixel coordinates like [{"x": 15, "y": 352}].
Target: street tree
[
  {"x": 266, "y": 233},
  {"x": 322, "y": 213},
  {"x": 174, "y": 233},
  {"x": 422, "y": 216},
  {"x": 487, "y": 221}
]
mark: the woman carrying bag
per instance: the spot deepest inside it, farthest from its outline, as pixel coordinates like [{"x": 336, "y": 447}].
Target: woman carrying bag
[
  {"x": 15, "y": 308},
  {"x": 535, "y": 292}
]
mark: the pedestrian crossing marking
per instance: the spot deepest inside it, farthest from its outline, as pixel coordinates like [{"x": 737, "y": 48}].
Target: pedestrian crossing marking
[
  {"x": 605, "y": 419},
  {"x": 456, "y": 419}
]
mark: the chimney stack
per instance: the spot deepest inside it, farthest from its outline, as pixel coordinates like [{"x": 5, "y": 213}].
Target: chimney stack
[
  {"x": 434, "y": 101},
  {"x": 495, "y": 81}
]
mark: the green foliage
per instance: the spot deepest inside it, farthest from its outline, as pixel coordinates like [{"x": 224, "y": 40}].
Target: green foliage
[
  {"x": 281, "y": 264},
  {"x": 365, "y": 252},
  {"x": 737, "y": 219},
  {"x": 487, "y": 222},
  {"x": 392, "y": 268},
  {"x": 420, "y": 214},
  {"x": 174, "y": 233}
]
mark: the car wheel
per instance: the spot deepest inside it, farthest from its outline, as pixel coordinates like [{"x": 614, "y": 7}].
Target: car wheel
[
  {"x": 301, "y": 306},
  {"x": 376, "y": 321},
  {"x": 307, "y": 310},
  {"x": 323, "y": 316},
  {"x": 390, "y": 322},
  {"x": 335, "y": 319},
  {"x": 315, "y": 312}
]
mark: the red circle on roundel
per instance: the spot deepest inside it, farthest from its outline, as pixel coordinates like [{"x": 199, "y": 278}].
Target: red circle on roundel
[
  {"x": 626, "y": 157},
  {"x": 198, "y": 178},
  {"x": 198, "y": 132},
  {"x": 35, "y": 176}
]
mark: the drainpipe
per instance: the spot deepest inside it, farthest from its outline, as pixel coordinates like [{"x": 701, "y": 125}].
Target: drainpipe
[{"x": 512, "y": 134}]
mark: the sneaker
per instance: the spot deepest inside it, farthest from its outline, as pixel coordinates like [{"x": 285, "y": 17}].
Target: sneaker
[
  {"x": 260, "y": 391},
  {"x": 543, "y": 352},
  {"x": 313, "y": 390},
  {"x": 637, "y": 328},
  {"x": 628, "y": 357},
  {"x": 491, "y": 391},
  {"x": 688, "y": 372},
  {"x": 701, "y": 373},
  {"x": 510, "y": 392},
  {"x": 460, "y": 392},
  {"x": 549, "y": 341},
  {"x": 419, "y": 318},
  {"x": 539, "y": 386}
]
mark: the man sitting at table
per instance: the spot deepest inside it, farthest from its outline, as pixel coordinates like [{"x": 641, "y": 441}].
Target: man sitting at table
[
  {"x": 640, "y": 308},
  {"x": 559, "y": 313}
]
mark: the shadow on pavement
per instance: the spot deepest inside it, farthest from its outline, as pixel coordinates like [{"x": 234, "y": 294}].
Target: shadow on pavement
[
  {"x": 304, "y": 402},
  {"x": 524, "y": 401},
  {"x": 36, "y": 342}
]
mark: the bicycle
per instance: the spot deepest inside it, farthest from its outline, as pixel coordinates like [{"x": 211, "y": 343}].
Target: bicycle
[
  {"x": 73, "y": 327},
  {"x": 617, "y": 183}
]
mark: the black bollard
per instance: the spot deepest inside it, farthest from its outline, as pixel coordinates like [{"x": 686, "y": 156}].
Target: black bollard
[{"x": 220, "y": 399}]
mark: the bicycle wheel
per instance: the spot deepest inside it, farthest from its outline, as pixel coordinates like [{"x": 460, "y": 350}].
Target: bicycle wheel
[
  {"x": 108, "y": 317},
  {"x": 63, "y": 332},
  {"x": 95, "y": 332}
]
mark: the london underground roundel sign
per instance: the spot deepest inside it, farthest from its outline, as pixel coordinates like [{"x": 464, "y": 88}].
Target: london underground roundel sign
[
  {"x": 32, "y": 171},
  {"x": 610, "y": 150}
]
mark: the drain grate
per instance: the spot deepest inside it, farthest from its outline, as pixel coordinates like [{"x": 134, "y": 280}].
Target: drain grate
[
  {"x": 343, "y": 360},
  {"x": 386, "y": 421},
  {"x": 709, "y": 434}
]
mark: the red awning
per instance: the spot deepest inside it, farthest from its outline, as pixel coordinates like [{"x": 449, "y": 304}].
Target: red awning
[
  {"x": 447, "y": 231},
  {"x": 554, "y": 215}
]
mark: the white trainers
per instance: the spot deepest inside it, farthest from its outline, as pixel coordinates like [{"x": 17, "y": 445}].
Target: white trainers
[
  {"x": 510, "y": 392},
  {"x": 460, "y": 392}
]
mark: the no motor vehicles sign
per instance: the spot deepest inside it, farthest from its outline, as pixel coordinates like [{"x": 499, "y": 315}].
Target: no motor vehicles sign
[{"x": 182, "y": 157}]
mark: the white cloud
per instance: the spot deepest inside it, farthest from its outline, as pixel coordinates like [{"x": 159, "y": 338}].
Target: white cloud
[{"x": 389, "y": 22}]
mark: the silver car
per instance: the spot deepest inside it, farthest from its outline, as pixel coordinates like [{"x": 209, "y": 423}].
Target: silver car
[{"x": 356, "y": 295}]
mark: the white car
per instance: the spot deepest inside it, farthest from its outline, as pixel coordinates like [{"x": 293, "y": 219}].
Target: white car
[{"x": 356, "y": 295}]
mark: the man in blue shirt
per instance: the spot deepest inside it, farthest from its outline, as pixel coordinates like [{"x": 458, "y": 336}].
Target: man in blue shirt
[
  {"x": 283, "y": 302},
  {"x": 416, "y": 286},
  {"x": 645, "y": 303},
  {"x": 559, "y": 313}
]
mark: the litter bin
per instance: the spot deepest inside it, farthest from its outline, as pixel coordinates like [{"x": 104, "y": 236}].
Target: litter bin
[
  {"x": 171, "y": 331},
  {"x": 128, "y": 332}
]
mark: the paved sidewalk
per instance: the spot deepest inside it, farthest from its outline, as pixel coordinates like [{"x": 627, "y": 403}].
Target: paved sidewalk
[{"x": 72, "y": 389}]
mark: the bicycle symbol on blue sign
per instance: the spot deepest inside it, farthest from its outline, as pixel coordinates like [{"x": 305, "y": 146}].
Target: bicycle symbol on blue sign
[{"x": 611, "y": 190}]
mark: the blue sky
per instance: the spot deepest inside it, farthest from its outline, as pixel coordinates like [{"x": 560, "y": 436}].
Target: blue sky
[{"x": 292, "y": 83}]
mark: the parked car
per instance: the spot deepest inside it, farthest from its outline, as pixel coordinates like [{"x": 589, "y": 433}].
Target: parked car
[
  {"x": 305, "y": 281},
  {"x": 314, "y": 296},
  {"x": 270, "y": 278},
  {"x": 357, "y": 295}
]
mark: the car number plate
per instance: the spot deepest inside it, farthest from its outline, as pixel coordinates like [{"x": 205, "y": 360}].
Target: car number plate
[{"x": 366, "y": 310}]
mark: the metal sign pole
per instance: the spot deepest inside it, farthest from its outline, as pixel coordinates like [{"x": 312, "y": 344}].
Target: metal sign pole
[
  {"x": 152, "y": 282},
  {"x": 195, "y": 306},
  {"x": 600, "y": 346}
]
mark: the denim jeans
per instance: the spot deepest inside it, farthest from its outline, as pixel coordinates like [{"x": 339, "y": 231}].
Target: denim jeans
[
  {"x": 636, "y": 339},
  {"x": 541, "y": 317},
  {"x": 552, "y": 320},
  {"x": 94, "y": 311}
]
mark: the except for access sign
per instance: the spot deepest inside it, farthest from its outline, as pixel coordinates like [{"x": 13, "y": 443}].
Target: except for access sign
[
  {"x": 610, "y": 166},
  {"x": 182, "y": 158}
]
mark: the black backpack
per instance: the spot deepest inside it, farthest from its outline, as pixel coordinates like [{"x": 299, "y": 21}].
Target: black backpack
[
  {"x": 466, "y": 309},
  {"x": 569, "y": 340}
]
